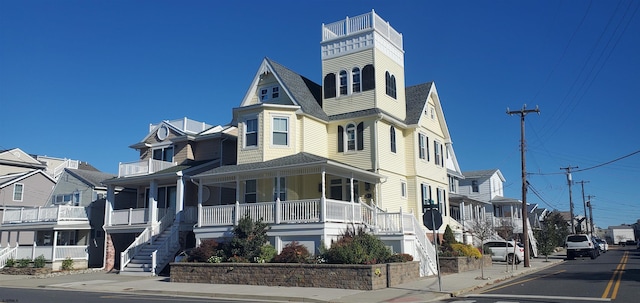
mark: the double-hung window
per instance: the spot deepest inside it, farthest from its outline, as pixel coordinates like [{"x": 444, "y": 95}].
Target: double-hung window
[
  {"x": 422, "y": 146},
  {"x": 251, "y": 132},
  {"x": 392, "y": 135},
  {"x": 437, "y": 151},
  {"x": 426, "y": 195},
  {"x": 343, "y": 83},
  {"x": 355, "y": 75},
  {"x": 250, "y": 191},
  {"x": 351, "y": 137},
  {"x": 441, "y": 201},
  {"x": 280, "y": 131},
  {"x": 18, "y": 190}
]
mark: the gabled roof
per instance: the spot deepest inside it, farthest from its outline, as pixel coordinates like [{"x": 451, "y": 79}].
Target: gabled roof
[
  {"x": 416, "y": 96},
  {"x": 486, "y": 173},
  {"x": 303, "y": 92},
  {"x": 13, "y": 178},
  {"x": 17, "y": 157},
  {"x": 90, "y": 177}
]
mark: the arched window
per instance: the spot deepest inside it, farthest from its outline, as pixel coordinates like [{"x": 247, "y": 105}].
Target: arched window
[
  {"x": 343, "y": 82},
  {"x": 330, "y": 86},
  {"x": 390, "y": 82},
  {"x": 355, "y": 75},
  {"x": 368, "y": 78},
  {"x": 351, "y": 137},
  {"x": 392, "y": 135}
]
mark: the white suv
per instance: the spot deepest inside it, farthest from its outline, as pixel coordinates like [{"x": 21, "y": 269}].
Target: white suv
[
  {"x": 505, "y": 251},
  {"x": 580, "y": 246}
]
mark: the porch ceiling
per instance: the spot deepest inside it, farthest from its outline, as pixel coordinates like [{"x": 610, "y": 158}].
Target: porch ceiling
[{"x": 294, "y": 165}]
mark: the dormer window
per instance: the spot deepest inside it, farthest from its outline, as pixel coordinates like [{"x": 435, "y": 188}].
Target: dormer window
[{"x": 269, "y": 93}]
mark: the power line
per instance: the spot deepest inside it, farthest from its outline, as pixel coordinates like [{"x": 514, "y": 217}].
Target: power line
[{"x": 592, "y": 167}]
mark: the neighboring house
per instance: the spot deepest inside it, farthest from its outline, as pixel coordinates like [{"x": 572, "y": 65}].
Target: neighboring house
[
  {"x": 24, "y": 183},
  {"x": 537, "y": 215},
  {"x": 69, "y": 226},
  {"x": 359, "y": 150},
  {"x": 161, "y": 213},
  {"x": 488, "y": 186}
]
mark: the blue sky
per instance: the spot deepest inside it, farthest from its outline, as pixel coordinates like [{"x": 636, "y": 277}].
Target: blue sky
[{"x": 84, "y": 79}]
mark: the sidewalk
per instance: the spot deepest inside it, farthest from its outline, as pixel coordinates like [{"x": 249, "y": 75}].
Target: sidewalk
[{"x": 424, "y": 290}]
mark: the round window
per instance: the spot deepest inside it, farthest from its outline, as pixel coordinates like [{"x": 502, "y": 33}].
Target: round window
[{"x": 163, "y": 132}]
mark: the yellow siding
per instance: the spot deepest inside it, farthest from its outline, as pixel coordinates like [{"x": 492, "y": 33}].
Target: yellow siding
[
  {"x": 251, "y": 154},
  {"x": 353, "y": 102},
  {"x": 394, "y": 162},
  {"x": 312, "y": 136},
  {"x": 276, "y": 151},
  {"x": 432, "y": 124},
  {"x": 395, "y": 107},
  {"x": 362, "y": 159}
]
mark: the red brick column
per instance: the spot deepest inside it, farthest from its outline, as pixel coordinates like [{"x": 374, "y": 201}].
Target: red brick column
[{"x": 110, "y": 254}]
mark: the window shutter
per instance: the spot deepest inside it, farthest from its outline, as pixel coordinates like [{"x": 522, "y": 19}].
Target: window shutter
[
  {"x": 340, "y": 138},
  {"x": 368, "y": 78},
  {"x": 360, "y": 136},
  {"x": 330, "y": 86}
]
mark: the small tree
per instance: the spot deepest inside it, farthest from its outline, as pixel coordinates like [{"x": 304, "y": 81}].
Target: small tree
[
  {"x": 482, "y": 229},
  {"x": 547, "y": 239}
]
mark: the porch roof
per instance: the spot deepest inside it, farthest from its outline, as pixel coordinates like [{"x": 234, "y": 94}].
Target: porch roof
[
  {"x": 288, "y": 165},
  {"x": 503, "y": 200},
  {"x": 189, "y": 168},
  {"x": 60, "y": 225},
  {"x": 462, "y": 198}
]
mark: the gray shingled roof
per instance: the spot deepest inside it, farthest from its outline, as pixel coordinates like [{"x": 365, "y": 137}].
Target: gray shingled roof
[
  {"x": 416, "y": 98},
  {"x": 307, "y": 93},
  {"x": 91, "y": 177}
]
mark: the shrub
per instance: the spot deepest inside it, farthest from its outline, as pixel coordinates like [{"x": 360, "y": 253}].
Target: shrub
[
  {"x": 10, "y": 262},
  {"x": 206, "y": 250},
  {"x": 357, "y": 247},
  {"x": 22, "y": 263},
  {"x": 39, "y": 262},
  {"x": 461, "y": 250},
  {"x": 267, "y": 253},
  {"x": 448, "y": 237},
  {"x": 400, "y": 258},
  {"x": 67, "y": 264},
  {"x": 238, "y": 259},
  {"x": 293, "y": 252},
  {"x": 248, "y": 238}
]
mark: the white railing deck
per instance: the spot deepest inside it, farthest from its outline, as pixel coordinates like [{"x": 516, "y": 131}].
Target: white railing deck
[
  {"x": 62, "y": 252},
  {"x": 143, "y": 167},
  {"x": 359, "y": 23},
  {"x": 132, "y": 216},
  {"x": 45, "y": 214}
]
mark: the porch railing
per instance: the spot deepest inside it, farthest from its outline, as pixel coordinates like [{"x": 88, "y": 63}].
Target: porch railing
[
  {"x": 6, "y": 254},
  {"x": 61, "y": 252},
  {"x": 132, "y": 216},
  {"x": 143, "y": 167},
  {"x": 45, "y": 214}
]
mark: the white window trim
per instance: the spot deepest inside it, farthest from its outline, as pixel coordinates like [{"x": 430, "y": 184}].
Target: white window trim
[
  {"x": 423, "y": 150},
  {"x": 403, "y": 189},
  {"x": 346, "y": 138},
  {"x": 13, "y": 196},
  {"x": 244, "y": 132},
  {"x": 273, "y": 131},
  {"x": 269, "y": 93}
]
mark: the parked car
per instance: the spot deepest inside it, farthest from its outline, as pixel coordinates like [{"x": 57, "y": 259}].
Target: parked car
[
  {"x": 604, "y": 246},
  {"x": 579, "y": 245},
  {"x": 508, "y": 251}
]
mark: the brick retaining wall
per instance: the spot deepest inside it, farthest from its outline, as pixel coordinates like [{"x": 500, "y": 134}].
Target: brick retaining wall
[{"x": 361, "y": 277}]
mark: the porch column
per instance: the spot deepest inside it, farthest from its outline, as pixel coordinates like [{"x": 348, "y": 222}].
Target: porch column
[
  {"x": 153, "y": 202},
  {"x": 323, "y": 202},
  {"x": 200, "y": 189},
  {"x": 108, "y": 205},
  {"x": 353, "y": 205},
  {"x": 463, "y": 217},
  {"x": 55, "y": 244},
  {"x": 179, "y": 197}
]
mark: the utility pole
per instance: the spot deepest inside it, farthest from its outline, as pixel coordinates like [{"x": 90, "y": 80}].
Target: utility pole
[
  {"x": 590, "y": 212},
  {"x": 525, "y": 236},
  {"x": 584, "y": 203},
  {"x": 570, "y": 181}
]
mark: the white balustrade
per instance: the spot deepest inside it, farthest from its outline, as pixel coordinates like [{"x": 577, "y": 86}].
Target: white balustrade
[{"x": 45, "y": 214}]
